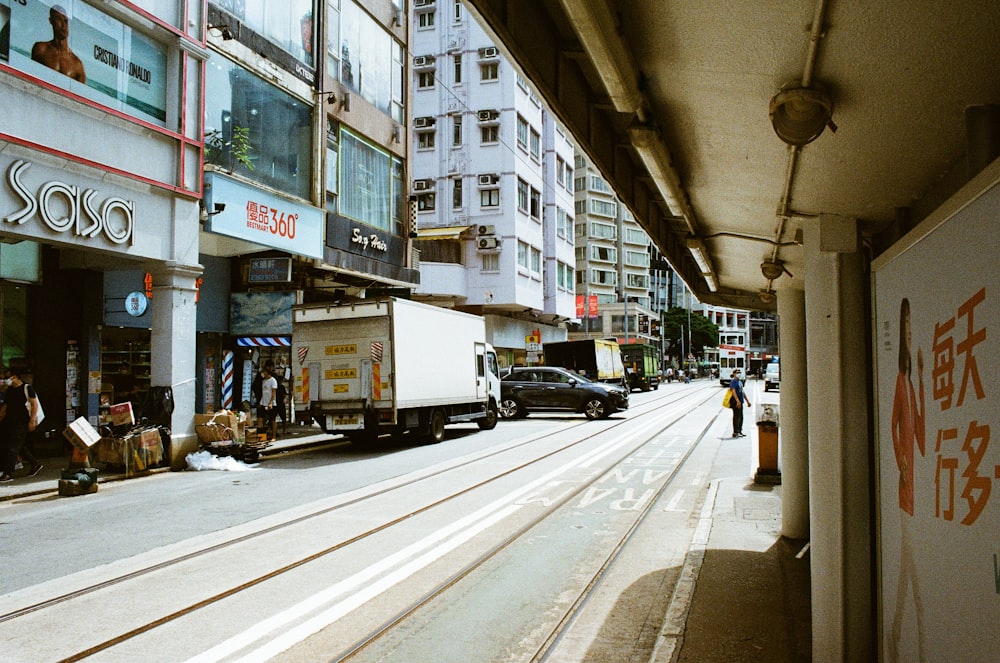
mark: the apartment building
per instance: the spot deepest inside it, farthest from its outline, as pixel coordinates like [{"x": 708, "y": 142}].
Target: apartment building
[{"x": 492, "y": 179}]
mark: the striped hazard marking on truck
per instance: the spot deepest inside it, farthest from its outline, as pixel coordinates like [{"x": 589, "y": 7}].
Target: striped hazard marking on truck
[{"x": 377, "y": 381}]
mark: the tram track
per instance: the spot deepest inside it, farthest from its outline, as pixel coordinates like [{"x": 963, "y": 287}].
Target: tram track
[
  {"x": 648, "y": 408},
  {"x": 550, "y": 643}
]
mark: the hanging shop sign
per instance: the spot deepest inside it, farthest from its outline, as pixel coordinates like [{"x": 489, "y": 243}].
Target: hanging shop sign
[
  {"x": 68, "y": 208},
  {"x": 135, "y": 304},
  {"x": 269, "y": 270},
  {"x": 258, "y": 216}
]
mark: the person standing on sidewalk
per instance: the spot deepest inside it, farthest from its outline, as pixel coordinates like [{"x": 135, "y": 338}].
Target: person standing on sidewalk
[
  {"x": 737, "y": 402},
  {"x": 18, "y": 417}
]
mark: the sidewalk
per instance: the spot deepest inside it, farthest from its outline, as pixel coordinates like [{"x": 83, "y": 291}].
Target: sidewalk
[
  {"x": 743, "y": 595},
  {"x": 47, "y": 481}
]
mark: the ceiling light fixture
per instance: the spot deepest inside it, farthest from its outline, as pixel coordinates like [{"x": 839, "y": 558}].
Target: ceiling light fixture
[
  {"x": 799, "y": 114},
  {"x": 598, "y": 29},
  {"x": 704, "y": 262},
  {"x": 772, "y": 269}
]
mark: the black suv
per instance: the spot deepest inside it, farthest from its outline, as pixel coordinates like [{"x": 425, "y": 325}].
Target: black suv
[{"x": 551, "y": 389}]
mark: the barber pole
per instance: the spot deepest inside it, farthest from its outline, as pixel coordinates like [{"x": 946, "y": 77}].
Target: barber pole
[{"x": 227, "y": 380}]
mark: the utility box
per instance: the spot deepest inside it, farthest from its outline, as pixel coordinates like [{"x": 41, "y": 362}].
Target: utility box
[{"x": 767, "y": 444}]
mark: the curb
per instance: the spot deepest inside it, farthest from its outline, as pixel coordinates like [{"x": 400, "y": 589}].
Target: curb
[{"x": 671, "y": 636}]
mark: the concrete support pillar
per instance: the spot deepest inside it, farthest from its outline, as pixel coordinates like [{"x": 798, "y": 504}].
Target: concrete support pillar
[
  {"x": 794, "y": 417},
  {"x": 839, "y": 453},
  {"x": 173, "y": 350}
]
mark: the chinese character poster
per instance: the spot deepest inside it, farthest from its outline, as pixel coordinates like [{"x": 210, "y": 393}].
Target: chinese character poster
[{"x": 937, "y": 327}]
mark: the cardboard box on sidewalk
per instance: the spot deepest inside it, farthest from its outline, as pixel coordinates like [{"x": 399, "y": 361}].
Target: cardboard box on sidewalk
[
  {"x": 122, "y": 415},
  {"x": 81, "y": 434}
]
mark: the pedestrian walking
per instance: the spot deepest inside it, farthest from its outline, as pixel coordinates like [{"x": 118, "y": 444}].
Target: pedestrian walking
[
  {"x": 737, "y": 402},
  {"x": 18, "y": 417}
]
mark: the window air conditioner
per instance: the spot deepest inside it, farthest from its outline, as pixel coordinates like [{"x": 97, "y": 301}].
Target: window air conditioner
[
  {"x": 490, "y": 52},
  {"x": 487, "y": 230},
  {"x": 489, "y": 243},
  {"x": 421, "y": 122},
  {"x": 486, "y": 180},
  {"x": 421, "y": 185},
  {"x": 488, "y": 115},
  {"x": 420, "y": 61}
]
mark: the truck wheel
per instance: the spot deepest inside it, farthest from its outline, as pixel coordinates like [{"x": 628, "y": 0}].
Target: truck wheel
[
  {"x": 511, "y": 408},
  {"x": 435, "y": 427},
  {"x": 596, "y": 408},
  {"x": 489, "y": 422}
]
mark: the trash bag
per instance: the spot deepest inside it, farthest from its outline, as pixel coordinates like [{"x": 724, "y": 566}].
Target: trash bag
[{"x": 206, "y": 460}]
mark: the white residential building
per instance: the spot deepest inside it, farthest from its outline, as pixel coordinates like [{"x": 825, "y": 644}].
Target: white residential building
[{"x": 493, "y": 185}]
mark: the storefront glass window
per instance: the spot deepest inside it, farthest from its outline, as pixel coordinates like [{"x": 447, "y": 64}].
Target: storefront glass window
[
  {"x": 255, "y": 130},
  {"x": 287, "y": 23},
  {"x": 371, "y": 184}
]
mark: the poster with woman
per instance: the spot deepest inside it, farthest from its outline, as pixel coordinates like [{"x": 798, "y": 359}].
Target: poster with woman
[{"x": 936, "y": 347}]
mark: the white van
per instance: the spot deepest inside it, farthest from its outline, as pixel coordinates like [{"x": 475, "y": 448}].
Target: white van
[{"x": 772, "y": 376}]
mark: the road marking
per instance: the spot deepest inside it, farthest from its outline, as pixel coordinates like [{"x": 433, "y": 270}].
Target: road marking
[{"x": 674, "y": 501}]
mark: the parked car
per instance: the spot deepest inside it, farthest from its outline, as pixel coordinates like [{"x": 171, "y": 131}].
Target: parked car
[
  {"x": 772, "y": 376},
  {"x": 552, "y": 389}
]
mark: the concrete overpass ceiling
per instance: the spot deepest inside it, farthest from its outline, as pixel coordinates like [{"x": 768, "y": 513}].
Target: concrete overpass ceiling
[{"x": 899, "y": 75}]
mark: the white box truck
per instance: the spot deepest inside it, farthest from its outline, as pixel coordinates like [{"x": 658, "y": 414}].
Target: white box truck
[{"x": 393, "y": 365}]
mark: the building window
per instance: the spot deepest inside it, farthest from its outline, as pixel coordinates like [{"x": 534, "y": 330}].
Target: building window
[
  {"x": 287, "y": 23},
  {"x": 365, "y": 57},
  {"x": 491, "y": 262},
  {"x": 598, "y": 184},
  {"x": 489, "y": 71},
  {"x": 522, "y": 195},
  {"x": 332, "y": 173},
  {"x": 637, "y": 281},
  {"x": 458, "y": 69},
  {"x": 522, "y": 133},
  {"x": 637, "y": 258},
  {"x": 536, "y": 205},
  {"x": 604, "y": 253},
  {"x": 425, "y": 80},
  {"x": 536, "y": 260},
  {"x": 603, "y": 208},
  {"x": 425, "y": 140},
  {"x": 603, "y": 230},
  {"x": 522, "y": 254},
  {"x": 564, "y": 225},
  {"x": 426, "y": 202},
  {"x": 456, "y": 130},
  {"x": 372, "y": 184},
  {"x": 636, "y": 236},
  {"x": 489, "y": 197},
  {"x": 603, "y": 277},
  {"x": 458, "y": 11},
  {"x": 425, "y": 20},
  {"x": 274, "y": 127},
  {"x": 457, "y": 195},
  {"x": 490, "y": 134},
  {"x": 536, "y": 145},
  {"x": 560, "y": 171},
  {"x": 564, "y": 276}
]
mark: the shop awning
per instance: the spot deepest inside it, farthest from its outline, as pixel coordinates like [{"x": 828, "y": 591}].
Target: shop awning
[
  {"x": 264, "y": 341},
  {"x": 451, "y": 232}
]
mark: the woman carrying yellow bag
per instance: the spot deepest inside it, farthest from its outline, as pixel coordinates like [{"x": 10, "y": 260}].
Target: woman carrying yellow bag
[{"x": 737, "y": 401}]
